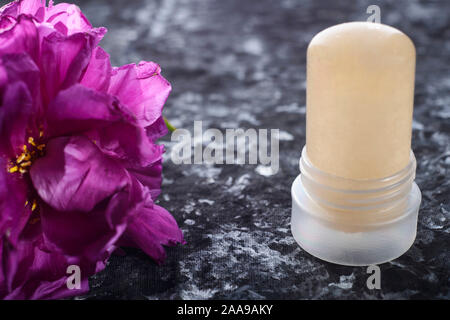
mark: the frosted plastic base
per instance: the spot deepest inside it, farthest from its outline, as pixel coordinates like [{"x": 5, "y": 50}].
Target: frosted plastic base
[{"x": 371, "y": 245}]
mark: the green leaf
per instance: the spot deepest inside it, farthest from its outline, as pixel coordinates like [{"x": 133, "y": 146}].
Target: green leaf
[{"x": 169, "y": 125}]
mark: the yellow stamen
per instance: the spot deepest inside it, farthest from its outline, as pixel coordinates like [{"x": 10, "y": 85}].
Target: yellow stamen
[
  {"x": 41, "y": 133},
  {"x": 31, "y": 141},
  {"x": 21, "y": 158},
  {"x": 31, "y": 151},
  {"x": 13, "y": 169},
  {"x": 34, "y": 205},
  {"x": 25, "y": 164}
]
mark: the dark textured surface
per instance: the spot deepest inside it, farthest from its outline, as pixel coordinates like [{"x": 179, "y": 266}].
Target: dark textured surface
[{"x": 238, "y": 63}]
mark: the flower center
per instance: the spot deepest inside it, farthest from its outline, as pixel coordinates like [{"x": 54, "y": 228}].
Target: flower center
[{"x": 31, "y": 151}]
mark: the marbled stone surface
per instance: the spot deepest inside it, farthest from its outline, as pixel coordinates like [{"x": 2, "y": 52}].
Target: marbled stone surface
[{"x": 235, "y": 63}]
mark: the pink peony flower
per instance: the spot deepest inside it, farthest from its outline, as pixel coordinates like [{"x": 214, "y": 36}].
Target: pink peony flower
[{"x": 79, "y": 167}]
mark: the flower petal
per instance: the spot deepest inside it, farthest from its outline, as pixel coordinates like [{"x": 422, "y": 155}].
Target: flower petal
[
  {"x": 103, "y": 120},
  {"x": 37, "y": 267},
  {"x": 90, "y": 237},
  {"x": 86, "y": 235},
  {"x": 152, "y": 228},
  {"x": 20, "y": 67},
  {"x": 142, "y": 89},
  {"x": 13, "y": 195},
  {"x": 29, "y": 272},
  {"x": 21, "y": 37},
  {"x": 150, "y": 177},
  {"x": 16, "y": 113},
  {"x": 63, "y": 60},
  {"x": 69, "y": 15},
  {"x": 157, "y": 129},
  {"x": 98, "y": 72},
  {"x": 3, "y": 285},
  {"x": 75, "y": 175},
  {"x": 114, "y": 140},
  {"x": 32, "y": 7},
  {"x": 67, "y": 116}
]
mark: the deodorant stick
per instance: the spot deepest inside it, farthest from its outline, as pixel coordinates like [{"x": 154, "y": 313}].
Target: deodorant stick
[{"x": 355, "y": 201}]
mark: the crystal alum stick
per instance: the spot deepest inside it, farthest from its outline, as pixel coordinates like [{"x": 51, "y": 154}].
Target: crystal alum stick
[{"x": 355, "y": 201}]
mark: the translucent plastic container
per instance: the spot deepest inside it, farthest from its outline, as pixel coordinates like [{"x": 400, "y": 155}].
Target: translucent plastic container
[{"x": 354, "y": 222}]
